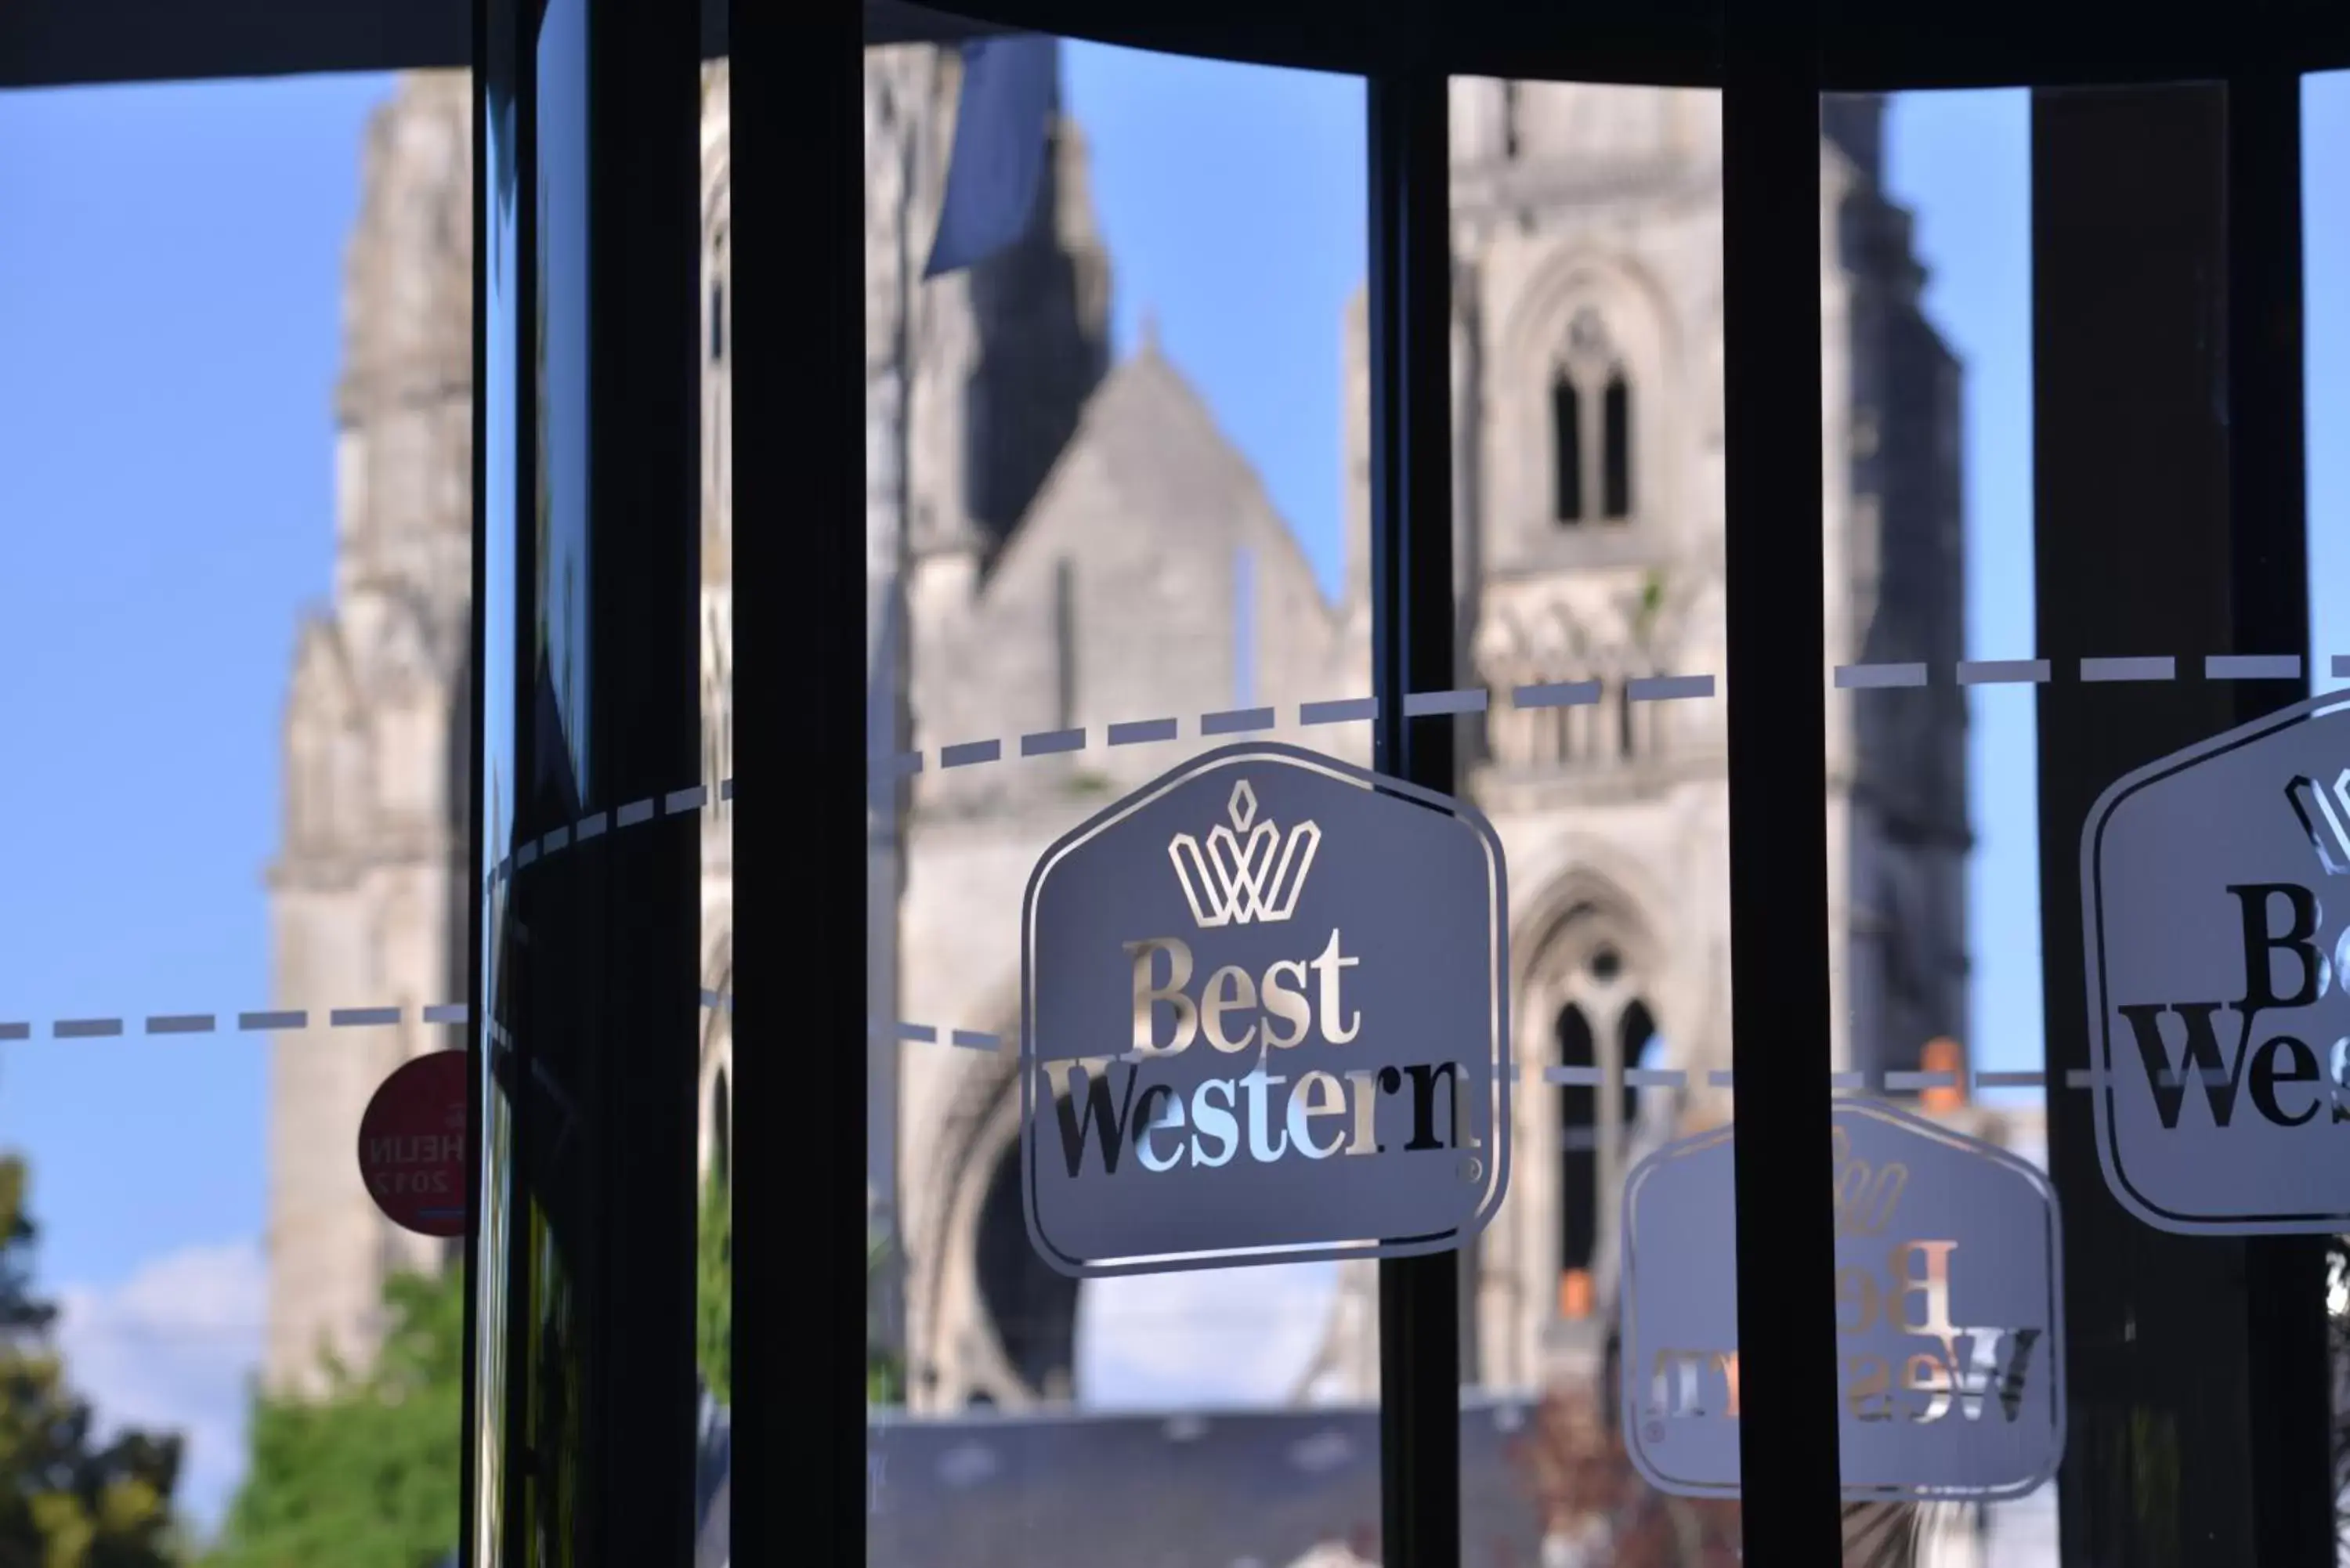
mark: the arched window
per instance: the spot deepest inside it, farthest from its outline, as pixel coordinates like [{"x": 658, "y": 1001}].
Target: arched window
[
  {"x": 1591, "y": 426},
  {"x": 1615, "y": 448},
  {"x": 1603, "y": 1030},
  {"x": 1567, "y": 445}
]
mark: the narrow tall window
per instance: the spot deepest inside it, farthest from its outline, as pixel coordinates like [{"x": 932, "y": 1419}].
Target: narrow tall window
[
  {"x": 1064, "y": 644},
  {"x": 1567, "y": 448},
  {"x": 1616, "y": 447},
  {"x": 717, "y": 321},
  {"x": 1578, "y": 1185}
]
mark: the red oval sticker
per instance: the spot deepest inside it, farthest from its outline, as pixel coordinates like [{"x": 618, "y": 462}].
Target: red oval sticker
[{"x": 412, "y": 1145}]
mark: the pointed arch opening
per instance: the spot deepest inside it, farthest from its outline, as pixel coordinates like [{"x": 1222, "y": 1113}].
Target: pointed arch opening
[
  {"x": 1590, "y": 969},
  {"x": 1588, "y": 411}
]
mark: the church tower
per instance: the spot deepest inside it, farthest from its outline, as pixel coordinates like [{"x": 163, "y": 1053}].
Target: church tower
[{"x": 367, "y": 897}]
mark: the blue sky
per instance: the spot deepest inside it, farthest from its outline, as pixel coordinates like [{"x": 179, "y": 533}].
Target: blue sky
[{"x": 170, "y": 274}]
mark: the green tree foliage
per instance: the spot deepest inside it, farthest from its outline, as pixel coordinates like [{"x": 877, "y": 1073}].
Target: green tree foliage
[
  {"x": 713, "y": 1294},
  {"x": 365, "y": 1474},
  {"x": 65, "y": 1500}
]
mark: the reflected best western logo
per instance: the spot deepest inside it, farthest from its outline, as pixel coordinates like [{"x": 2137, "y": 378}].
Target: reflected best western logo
[
  {"x": 1262, "y": 970},
  {"x": 1905, "y": 1357},
  {"x": 1948, "y": 1312}
]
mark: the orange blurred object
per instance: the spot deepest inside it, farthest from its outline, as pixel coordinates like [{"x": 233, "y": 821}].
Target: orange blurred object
[
  {"x": 1942, "y": 1055},
  {"x": 1575, "y": 1294}
]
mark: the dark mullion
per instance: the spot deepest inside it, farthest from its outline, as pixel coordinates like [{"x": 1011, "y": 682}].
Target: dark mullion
[
  {"x": 2286, "y": 1361},
  {"x": 799, "y": 368},
  {"x": 2134, "y": 546},
  {"x": 1777, "y": 721},
  {"x": 1412, "y": 650},
  {"x": 619, "y": 965}
]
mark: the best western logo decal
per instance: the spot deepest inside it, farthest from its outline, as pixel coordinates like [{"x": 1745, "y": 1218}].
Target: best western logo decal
[
  {"x": 2216, "y": 907},
  {"x": 1265, "y": 1016},
  {"x": 1948, "y": 1303}
]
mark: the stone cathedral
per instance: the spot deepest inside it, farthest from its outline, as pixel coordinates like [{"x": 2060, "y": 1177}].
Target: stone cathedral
[{"x": 1079, "y": 544}]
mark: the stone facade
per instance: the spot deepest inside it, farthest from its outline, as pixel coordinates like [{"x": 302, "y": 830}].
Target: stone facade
[{"x": 1082, "y": 546}]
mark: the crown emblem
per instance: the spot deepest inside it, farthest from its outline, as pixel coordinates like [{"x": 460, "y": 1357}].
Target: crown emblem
[
  {"x": 2326, "y": 817},
  {"x": 1245, "y": 875}
]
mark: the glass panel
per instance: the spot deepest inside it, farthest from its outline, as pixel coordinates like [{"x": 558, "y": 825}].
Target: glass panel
[
  {"x": 1588, "y": 452},
  {"x": 1112, "y": 531},
  {"x": 235, "y": 466},
  {"x": 1933, "y": 834}
]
